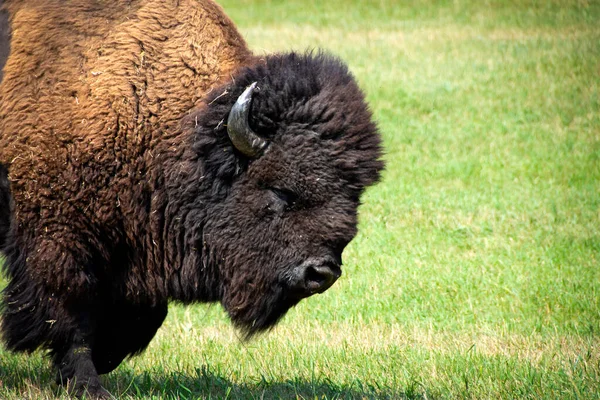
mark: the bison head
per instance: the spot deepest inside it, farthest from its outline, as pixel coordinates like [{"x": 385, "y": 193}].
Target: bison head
[{"x": 296, "y": 146}]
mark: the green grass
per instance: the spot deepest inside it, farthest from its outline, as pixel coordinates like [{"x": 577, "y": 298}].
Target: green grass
[{"x": 476, "y": 272}]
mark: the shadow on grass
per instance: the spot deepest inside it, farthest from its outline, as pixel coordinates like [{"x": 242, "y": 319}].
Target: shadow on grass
[
  {"x": 206, "y": 383},
  {"x": 27, "y": 377}
]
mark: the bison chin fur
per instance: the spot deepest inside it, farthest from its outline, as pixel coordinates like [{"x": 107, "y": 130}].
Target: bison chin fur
[{"x": 253, "y": 315}]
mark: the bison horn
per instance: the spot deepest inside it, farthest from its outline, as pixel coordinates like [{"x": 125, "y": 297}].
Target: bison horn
[{"x": 242, "y": 136}]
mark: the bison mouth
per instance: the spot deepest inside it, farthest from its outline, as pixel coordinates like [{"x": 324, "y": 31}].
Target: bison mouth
[{"x": 253, "y": 310}]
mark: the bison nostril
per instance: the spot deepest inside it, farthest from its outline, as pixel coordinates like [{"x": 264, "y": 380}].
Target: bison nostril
[
  {"x": 320, "y": 278},
  {"x": 314, "y": 275}
]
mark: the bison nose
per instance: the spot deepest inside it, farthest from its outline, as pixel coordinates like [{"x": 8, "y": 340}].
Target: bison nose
[
  {"x": 319, "y": 279},
  {"x": 315, "y": 276}
]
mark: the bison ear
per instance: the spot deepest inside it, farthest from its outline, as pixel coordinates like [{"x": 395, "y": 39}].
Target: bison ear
[{"x": 238, "y": 127}]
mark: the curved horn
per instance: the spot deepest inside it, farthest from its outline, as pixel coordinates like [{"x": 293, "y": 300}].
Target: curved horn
[{"x": 242, "y": 136}]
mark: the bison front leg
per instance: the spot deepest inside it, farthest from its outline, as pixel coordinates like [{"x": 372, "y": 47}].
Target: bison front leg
[
  {"x": 124, "y": 330},
  {"x": 76, "y": 370},
  {"x": 36, "y": 314}
]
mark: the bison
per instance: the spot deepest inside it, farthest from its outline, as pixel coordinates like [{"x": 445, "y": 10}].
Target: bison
[{"x": 152, "y": 157}]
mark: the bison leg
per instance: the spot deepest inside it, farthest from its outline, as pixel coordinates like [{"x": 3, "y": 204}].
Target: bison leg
[
  {"x": 77, "y": 373},
  {"x": 34, "y": 317},
  {"x": 124, "y": 330}
]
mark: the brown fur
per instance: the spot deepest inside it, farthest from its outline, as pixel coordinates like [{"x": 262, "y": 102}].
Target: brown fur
[{"x": 85, "y": 101}]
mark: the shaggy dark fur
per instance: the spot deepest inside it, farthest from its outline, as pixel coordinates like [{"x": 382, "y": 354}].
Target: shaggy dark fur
[{"x": 127, "y": 192}]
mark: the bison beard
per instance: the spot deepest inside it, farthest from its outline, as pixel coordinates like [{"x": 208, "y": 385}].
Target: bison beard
[{"x": 239, "y": 184}]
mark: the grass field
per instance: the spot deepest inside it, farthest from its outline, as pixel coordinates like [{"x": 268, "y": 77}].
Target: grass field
[{"x": 476, "y": 272}]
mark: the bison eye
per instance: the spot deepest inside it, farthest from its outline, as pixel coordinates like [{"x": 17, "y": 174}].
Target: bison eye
[{"x": 286, "y": 196}]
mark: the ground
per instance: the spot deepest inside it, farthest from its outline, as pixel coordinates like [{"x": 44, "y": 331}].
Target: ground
[{"x": 476, "y": 270}]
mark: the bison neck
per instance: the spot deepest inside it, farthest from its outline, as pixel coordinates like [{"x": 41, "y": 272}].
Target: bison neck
[{"x": 179, "y": 195}]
